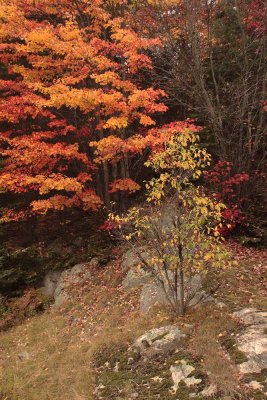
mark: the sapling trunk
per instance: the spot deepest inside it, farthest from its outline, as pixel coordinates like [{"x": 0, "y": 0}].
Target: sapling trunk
[
  {"x": 181, "y": 276},
  {"x": 182, "y": 302}
]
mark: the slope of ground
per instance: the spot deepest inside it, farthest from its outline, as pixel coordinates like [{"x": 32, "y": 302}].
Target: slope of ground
[{"x": 69, "y": 353}]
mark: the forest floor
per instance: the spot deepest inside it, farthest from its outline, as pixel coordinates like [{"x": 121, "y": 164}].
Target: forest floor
[{"x": 60, "y": 353}]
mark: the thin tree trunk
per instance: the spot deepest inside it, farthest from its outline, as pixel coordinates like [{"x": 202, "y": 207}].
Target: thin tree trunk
[
  {"x": 106, "y": 184},
  {"x": 181, "y": 276},
  {"x": 114, "y": 177}
]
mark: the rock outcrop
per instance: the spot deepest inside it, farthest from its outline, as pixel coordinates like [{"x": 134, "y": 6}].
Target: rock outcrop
[{"x": 253, "y": 340}]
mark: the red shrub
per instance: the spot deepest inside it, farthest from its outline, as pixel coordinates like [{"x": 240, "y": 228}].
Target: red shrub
[{"x": 225, "y": 184}]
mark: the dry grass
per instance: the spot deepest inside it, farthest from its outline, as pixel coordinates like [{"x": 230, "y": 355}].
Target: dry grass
[
  {"x": 205, "y": 343},
  {"x": 61, "y": 343},
  {"x": 58, "y": 365}
]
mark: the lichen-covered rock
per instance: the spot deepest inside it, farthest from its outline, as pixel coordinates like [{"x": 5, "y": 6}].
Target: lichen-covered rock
[
  {"x": 180, "y": 372},
  {"x": 162, "y": 341},
  {"x": 253, "y": 340}
]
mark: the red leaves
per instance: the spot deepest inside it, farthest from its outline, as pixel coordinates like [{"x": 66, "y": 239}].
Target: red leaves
[
  {"x": 224, "y": 183},
  {"x": 256, "y": 19}
]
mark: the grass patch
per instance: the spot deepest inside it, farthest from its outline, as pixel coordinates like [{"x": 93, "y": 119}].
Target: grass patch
[
  {"x": 56, "y": 365},
  {"x": 205, "y": 343}
]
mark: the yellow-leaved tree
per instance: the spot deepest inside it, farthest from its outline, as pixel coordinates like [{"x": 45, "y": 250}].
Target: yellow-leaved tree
[{"x": 179, "y": 225}]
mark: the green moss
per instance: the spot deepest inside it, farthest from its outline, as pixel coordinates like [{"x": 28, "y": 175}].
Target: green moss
[
  {"x": 151, "y": 378},
  {"x": 259, "y": 377},
  {"x": 236, "y": 355}
]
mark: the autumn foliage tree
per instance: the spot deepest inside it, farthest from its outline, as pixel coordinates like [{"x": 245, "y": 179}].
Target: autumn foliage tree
[
  {"x": 71, "y": 84},
  {"x": 83, "y": 82}
]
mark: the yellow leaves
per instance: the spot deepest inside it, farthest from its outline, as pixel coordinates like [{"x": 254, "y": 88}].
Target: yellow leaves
[
  {"x": 38, "y": 40},
  {"x": 208, "y": 256},
  {"x": 156, "y": 188},
  {"x": 105, "y": 78},
  {"x": 70, "y": 32},
  {"x": 116, "y": 123},
  {"x": 58, "y": 182},
  {"x": 44, "y": 184},
  {"x": 63, "y": 95},
  {"x": 109, "y": 148}
]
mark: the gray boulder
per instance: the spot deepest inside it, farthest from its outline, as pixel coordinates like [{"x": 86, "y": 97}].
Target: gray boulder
[
  {"x": 161, "y": 341},
  {"x": 135, "y": 278},
  {"x": 76, "y": 275},
  {"x": 50, "y": 283},
  {"x": 129, "y": 259},
  {"x": 253, "y": 340},
  {"x": 153, "y": 294},
  {"x": 56, "y": 284},
  {"x": 251, "y": 316}
]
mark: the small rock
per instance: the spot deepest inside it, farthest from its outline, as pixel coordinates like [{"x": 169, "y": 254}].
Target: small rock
[
  {"x": 218, "y": 303},
  {"x": 162, "y": 340},
  {"x": 130, "y": 361},
  {"x": 157, "y": 379},
  {"x": 117, "y": 367},
  {"x": 24, "y": 356},
  {"x": 255, "y": 385},
  {"x": 181, "y": 372},
  {"x": 209, "y": 391}
]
